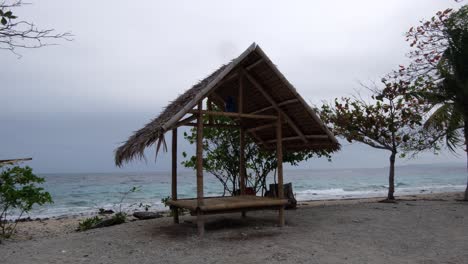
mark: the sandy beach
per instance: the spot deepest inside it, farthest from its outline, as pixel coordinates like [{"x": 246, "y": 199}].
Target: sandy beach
[{"x": 431, "y": 228}]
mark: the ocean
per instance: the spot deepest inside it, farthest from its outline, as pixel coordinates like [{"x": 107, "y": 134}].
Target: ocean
[{"x": 85, "y": 193}]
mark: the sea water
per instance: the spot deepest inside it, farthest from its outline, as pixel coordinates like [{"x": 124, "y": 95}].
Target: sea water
[{"x": 85, "y": 193}]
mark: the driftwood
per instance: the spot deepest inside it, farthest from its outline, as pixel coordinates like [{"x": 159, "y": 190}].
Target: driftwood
[
  {"x": 288, "y": 194},
  {"x": 147, "y": 215},
  {"x": 13, "y": 161}
]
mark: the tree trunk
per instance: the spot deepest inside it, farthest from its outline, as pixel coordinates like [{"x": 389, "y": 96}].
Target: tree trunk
[
  {"x": 466, "y": 150},
  {"x": 391, "y": 177}
]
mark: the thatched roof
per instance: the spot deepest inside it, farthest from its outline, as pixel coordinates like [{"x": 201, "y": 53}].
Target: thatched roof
[{"x": 221, "y": 84}]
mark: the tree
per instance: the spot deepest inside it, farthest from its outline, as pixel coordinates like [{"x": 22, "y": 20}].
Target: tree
[
  {"x": 221, "y": 157},
  {"x": 18, "y": 194},
  {"x": 442, "y": 52},
  {"x": 389, "y": 121},
  {"x": 16, "y": 33},
  {"x": 428, "y": 41}
]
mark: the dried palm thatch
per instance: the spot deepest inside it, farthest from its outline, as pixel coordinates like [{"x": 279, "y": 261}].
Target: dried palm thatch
[
  {"x": 154, "y": 131},
  {"x": 221, "y": 84}
]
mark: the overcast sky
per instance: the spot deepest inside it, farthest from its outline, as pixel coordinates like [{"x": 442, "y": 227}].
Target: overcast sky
[{"x": 70, "y": 106}]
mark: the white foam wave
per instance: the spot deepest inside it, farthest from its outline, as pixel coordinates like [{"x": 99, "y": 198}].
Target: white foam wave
[{"x": 339, "y": 193}]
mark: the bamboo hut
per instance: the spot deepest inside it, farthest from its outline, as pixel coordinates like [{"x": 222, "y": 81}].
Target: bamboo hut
[{"x": 268, "y": 108}]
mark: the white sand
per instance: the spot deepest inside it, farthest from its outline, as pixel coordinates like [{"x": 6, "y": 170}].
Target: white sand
[{"x": 429, "y": 229}]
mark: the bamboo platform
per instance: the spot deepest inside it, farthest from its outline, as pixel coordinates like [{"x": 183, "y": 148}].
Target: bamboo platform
[{"x": 212, "y": 205}]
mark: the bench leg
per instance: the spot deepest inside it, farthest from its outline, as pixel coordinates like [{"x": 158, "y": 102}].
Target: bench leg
[
  {"x": 281, "y": 216},
  {"x": 200, "y": 224},
  {"x": 175, "y": 214}
]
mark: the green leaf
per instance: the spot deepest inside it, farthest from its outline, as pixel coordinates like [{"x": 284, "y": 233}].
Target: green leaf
[{"x": 4, "y": 21}]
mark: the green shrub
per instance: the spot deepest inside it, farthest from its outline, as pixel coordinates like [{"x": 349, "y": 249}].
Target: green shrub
[
  {"x": 89, "y": 223},
  {"x": 118, "y": 218},
  {"x": 19, "y": 192}
]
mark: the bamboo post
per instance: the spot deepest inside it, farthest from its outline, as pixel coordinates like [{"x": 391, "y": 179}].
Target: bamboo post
[
  {"x": 242, "y": 141},
  {"x": 209, "y": 107},
  {"x": 242, "y": 138},
  {"x": 175, "y": 211},
  {"x": 242, "y": 165},
  {"x": 200, "y": 220},
  {"x": 242, "y": 161},
  {"x": 279, "y": 153}
]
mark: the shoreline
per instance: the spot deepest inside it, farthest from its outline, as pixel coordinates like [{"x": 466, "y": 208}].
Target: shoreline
[
  {"x": 130, "y": 210},
  {"x": 429, "y": 228},
  {"x": 56, "y": 226}
]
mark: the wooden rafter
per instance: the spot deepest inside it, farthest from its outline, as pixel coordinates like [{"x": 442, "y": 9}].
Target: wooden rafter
[
  {"x": 296, "y": 138},
  {"x": 214, "y": 125},
  {"x": 207, "y": 89},
  {"x": 185, "y": 121},
  {"x": 216, "y": 99},
  {"x": 262, "y": 127},
  {"x": 279, "y": 104},
  {"x": 275, "y": 105},
  {"x": 232, "y": 114},
  {"x": 257, "y": 138},
  {"x": 234, "y": 75}
]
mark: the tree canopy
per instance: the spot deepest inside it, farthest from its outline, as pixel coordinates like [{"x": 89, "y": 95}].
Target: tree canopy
[{"x": 390, "y": 120}]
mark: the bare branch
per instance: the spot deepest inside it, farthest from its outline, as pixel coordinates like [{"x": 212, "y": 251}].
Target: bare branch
[{"x": 24, "y": 34}]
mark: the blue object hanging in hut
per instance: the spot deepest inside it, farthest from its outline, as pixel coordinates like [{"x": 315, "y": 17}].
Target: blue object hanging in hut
[{"x": 230, "y": 104}]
